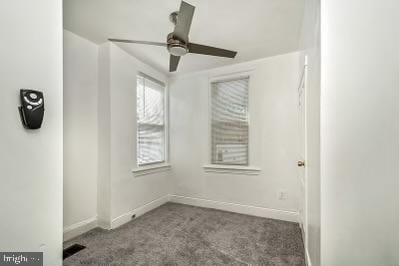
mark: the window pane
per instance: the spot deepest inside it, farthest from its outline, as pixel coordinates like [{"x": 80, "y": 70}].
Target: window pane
[
  {"x": 154, "y": 103},
  {"x": 151, "y": 144},
  {"x": 140, "y": 98},
  {"x": 229, "y": 125},
  {"x": 150, "y": 122}
]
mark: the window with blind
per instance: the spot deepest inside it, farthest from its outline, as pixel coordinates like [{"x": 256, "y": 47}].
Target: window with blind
[
  {"x": 150, "y": 121},
  {"x": 229, "y": 122}
]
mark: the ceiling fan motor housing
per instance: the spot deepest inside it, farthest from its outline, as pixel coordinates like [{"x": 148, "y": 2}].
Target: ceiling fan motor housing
[{"x": 176, "y": 47}]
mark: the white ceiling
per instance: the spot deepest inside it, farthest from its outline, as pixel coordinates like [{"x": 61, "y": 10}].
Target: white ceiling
[{"x": 254, "y": 28}]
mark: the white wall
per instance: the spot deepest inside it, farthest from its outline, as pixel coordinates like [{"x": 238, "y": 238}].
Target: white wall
[
  {"x": 360, "y": 133},
  {"x": 273, "y": 133},
  {"x": 104, "y": 114},
  {"x": 118, "y": 94},
  {"x": 80, "y": 131},
  {"x": 31, "y": 161},
  {"x": 310, "y": 45},
  {"x": 100, "y": 138}
]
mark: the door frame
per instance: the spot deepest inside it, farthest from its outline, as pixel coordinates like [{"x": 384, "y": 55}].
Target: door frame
[{"x": 303, "y": 84}]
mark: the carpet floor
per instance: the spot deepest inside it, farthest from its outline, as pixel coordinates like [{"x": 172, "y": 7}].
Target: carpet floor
[{"x": 176, "y": 234}]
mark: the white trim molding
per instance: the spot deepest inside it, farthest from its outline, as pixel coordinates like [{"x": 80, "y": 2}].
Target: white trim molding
[
  {"x": 86, "y": 225},
  {"x": 126, "y": 217},
  {"x": 307, "y": 257},
  {"x": 104, "y": 224},
  {"x": 232, "y": 169},
  {"x": 150, "y": 169},
  {"x": 79, "y": 228},
  {"x": 226, "y": 76},
  {"x": 308, "y": 262},
  {"x": 291, "y": 216}
]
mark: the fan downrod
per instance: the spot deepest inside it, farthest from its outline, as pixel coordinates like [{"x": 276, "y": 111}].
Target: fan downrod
[{"x": 173, "y": 17}]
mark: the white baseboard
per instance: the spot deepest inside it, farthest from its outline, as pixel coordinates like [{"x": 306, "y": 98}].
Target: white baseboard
[
  {"x": 79, "y": 228},
  {"x": 86, "y": 225},
  {"x": 307, "y": 256},
  {"x": 104, "y": 224},
  {"x": 126, "y": 217},
  {"x": 290, "y": 216}
]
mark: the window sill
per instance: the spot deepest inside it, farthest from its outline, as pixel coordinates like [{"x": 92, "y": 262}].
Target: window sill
[
  {"x": 150, "y": 169},
  {"x": 227, "y": 169}
]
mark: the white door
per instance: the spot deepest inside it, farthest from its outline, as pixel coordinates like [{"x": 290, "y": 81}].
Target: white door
[{"x": 302, "y": 149}]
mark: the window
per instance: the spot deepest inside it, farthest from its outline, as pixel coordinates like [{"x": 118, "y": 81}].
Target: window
[
  {"x": 150, "y": 121},
  {"x": 229, "y": 122}
]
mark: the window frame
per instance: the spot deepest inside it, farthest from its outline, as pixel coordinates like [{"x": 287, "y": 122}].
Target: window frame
[
  {"x": 231, "y": 167},
  {"x": 164, "y": 164}
]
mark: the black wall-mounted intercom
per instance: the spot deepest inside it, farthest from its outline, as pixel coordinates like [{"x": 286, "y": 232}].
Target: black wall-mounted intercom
[{"x": 32, "y": 108}]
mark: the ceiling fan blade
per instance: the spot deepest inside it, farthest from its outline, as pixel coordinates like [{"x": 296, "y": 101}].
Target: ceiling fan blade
[
  {"x": 208, "y": 50},
  {"x": 184, "y": 19},
  {"x": 139, "y": 42},
  {"x": 173, "y": 62}
]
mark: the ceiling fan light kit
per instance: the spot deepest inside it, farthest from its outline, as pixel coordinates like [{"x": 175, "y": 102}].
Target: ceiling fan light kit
[
  {"x": 175, "y": 46},
  {"x": 177, "y": 42}
]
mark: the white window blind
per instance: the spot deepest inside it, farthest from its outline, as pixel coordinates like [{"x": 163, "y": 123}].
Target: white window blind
[
  {"x": 150, "y": 121},
  {"x": 230, "y": 123}
]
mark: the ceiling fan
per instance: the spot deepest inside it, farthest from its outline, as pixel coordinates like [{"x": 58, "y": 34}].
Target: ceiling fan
[{"x": 177, "y": 42}]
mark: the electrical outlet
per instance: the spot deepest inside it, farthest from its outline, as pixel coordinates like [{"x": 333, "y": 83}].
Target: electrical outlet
[{"x": 282, "y": 195}]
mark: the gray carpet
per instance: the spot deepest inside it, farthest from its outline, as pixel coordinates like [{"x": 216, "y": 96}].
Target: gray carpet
[{"x": 176, "y": 234}]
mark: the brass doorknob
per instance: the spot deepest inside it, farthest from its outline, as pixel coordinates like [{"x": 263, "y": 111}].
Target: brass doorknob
[{"x": 301, "y": 163}]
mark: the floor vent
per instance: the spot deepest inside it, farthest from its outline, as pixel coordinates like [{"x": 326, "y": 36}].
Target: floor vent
[{"x": 75, "y": 248}]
